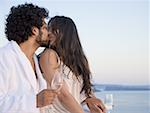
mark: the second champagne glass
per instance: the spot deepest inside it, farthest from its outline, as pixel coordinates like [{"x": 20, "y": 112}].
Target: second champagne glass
[{"x": 109, "y": 102}]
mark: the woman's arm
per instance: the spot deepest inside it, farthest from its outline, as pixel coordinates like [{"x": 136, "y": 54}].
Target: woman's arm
[
  {"x": 49, "y": 64},
  {"x": 94, "y": 104},
  {"x": 69, "y": 101}
]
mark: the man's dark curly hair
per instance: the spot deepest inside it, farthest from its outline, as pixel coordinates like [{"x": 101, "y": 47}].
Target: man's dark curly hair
[{"x": 21, "y": 19}]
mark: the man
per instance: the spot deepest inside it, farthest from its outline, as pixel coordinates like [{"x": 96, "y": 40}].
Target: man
[{"x": 21, "y": 81}]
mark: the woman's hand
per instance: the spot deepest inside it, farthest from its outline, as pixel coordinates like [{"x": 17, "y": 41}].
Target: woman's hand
[{"x": 95, "y": 105}]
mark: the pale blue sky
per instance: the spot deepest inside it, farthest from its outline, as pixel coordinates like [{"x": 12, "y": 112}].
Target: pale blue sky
[{"x": 114, "y": 35}]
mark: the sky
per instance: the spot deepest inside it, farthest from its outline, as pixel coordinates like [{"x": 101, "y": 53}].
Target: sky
[{"x": 114, "y": 35}]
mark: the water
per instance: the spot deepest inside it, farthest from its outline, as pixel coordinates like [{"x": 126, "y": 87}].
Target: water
[{"x": 128, "y": 101}]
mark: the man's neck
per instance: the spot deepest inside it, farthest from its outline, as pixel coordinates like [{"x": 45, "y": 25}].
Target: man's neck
[{"x": 29, "y": 48}]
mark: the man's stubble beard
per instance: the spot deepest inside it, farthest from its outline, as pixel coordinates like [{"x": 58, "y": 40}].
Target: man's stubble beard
[{"x": 42, "y": 43}]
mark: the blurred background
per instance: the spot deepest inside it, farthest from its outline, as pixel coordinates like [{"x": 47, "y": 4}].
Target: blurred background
[
  {"x": 115, "y": 37},
  {"x": 113, "y": 33}
]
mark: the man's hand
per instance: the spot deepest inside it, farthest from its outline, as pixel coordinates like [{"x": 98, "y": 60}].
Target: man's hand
[
  {"x": 95, "y": 105},
  {"x": 45, "y": 97}
]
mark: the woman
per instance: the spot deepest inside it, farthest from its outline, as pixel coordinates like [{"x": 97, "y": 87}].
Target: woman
[{"x": 66, "y": 54}]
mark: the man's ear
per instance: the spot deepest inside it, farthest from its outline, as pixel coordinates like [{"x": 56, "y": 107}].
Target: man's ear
[{"x": 35, "y": 31}]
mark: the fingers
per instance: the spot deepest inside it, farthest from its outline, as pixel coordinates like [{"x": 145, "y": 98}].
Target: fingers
[
  {"x": 101, "y": 106},
  {"x": 102, "y": 110},
  {"x": 96, "y": 105},
  {"x": 96, "y": 109},
  {"x": 45, "y": 97},
  {"x": 49, "y": 96},
  {"x": 99, "y": 109}
]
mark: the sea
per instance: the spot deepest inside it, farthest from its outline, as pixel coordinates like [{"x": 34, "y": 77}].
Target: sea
[{"x": 128, "y": 101}]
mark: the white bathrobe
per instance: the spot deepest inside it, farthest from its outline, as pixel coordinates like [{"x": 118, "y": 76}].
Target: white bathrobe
[{"x": 18, "y": 83}]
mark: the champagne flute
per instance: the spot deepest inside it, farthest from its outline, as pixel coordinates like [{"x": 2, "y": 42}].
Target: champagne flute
[
  {"x": 109, "y": 102},
  {"x": 57, "y": 81},
  {"x": 56, "y": 84}
]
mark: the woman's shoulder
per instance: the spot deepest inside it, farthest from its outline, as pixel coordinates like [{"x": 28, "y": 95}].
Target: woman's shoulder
[
  {"x": 49, "y": 53},
  {"x": 51, "y": 56}
]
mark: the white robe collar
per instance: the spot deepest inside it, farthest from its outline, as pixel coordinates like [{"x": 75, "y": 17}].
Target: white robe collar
[{"x": 37, "y": 84}]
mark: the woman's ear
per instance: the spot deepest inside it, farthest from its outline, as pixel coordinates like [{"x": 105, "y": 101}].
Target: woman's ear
[{"x": 35, "y": 31}]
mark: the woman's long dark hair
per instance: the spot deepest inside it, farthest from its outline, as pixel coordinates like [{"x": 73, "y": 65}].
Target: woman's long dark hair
[{"x": 69, "y": 49}]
